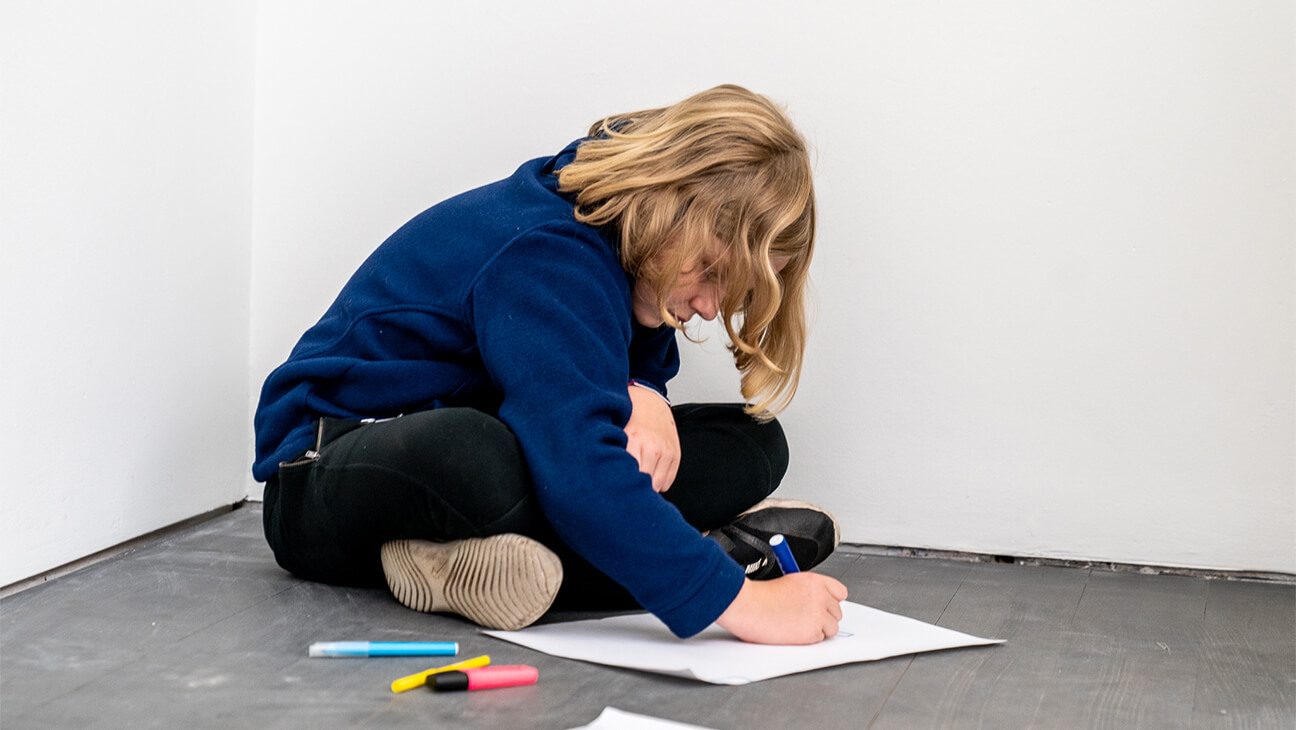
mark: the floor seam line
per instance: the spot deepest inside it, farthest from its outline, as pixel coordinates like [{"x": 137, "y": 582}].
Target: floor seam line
[{"x": 890, "y": 692}]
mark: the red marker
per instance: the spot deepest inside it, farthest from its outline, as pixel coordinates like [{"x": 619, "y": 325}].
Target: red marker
[{"x": 508, "y": 675}]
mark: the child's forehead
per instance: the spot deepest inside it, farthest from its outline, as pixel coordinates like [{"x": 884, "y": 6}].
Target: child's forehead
[
  {"x": 711, "y": 249},
  {"x": 716, "y": 253}
]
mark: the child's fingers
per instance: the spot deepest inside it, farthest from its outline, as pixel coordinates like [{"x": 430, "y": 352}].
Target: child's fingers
[{"x": 831, "y": 628}]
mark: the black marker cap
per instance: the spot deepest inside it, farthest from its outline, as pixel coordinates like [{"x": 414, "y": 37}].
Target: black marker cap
[{"x": 447, "y": 682}]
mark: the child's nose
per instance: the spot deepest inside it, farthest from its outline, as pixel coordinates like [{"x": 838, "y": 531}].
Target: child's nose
[{"x": 706, "y": 305}]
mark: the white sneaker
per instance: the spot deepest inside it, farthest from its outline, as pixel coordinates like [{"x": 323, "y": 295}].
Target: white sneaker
[{"x": 501, "y": 582}]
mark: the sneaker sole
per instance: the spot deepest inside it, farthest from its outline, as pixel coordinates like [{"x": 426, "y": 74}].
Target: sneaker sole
[
  {"x": 781, "y": 503},
  {"x": 501, "y": 582}
]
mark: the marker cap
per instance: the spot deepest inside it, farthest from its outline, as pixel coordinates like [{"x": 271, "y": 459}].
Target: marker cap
[
  {"x": 338, "y": 648},
  {"x": 448, "y": 682}
]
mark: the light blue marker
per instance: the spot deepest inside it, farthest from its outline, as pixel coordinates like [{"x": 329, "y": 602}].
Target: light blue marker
[
  {"x": 783, "y": 554},
  {"x": 384, "y": 648}
]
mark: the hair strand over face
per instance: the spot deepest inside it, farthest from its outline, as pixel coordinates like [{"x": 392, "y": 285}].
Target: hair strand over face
[{"x": 723, "y": 164}]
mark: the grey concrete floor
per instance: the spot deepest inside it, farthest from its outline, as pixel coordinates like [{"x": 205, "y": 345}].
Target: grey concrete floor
[{"x": 200, "y": 629}]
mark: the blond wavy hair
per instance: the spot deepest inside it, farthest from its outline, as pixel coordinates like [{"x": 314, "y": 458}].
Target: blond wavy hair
[{"x": 723, "y": 164}]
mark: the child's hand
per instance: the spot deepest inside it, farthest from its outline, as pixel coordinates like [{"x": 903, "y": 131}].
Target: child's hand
[
  {"x": 651, "y": 437},
  {"x": 802, "y": 608}
]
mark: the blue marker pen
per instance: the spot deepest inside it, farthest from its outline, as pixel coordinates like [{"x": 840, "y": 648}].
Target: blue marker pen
[
  {"x": 384, "y": 648},
  {"x": 783, "y": 554}
]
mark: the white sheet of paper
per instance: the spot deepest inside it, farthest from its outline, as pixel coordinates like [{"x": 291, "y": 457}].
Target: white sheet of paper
[
  {"x": 614, "y": 719},
  {"x": 640, "y": 641}
]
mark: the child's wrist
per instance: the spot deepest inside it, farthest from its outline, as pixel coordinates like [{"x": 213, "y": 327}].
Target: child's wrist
[{"x": 649, "y": 386}]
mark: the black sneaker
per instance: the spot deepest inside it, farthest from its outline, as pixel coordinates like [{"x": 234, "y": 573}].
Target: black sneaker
[{"x": 811, "y": 531}]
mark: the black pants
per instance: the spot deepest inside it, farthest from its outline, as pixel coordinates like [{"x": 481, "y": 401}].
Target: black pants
[{"x": 455, "y": 473}]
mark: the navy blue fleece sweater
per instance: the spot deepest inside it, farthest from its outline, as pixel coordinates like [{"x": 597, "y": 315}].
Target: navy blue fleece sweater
[{"x": 500, "y": 300}]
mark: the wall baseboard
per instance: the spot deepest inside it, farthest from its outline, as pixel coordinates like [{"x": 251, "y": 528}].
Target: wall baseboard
[
  {"x": 906, "y": 552},
  {"x": 115, "y": 550}
]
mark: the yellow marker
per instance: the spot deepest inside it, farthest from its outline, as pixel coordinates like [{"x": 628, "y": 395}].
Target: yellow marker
[{"x": 418, "y": 680}]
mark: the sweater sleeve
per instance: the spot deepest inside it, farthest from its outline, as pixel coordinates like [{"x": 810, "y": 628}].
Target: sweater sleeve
[
  {"x": 553, "y": 326},
  {"x": 654, "y": 356}
]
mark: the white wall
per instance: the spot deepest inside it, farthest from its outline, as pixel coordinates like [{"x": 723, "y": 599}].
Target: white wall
[
  {"x": 1057, "y": 284},
  {"x": 1056, "y": 267},
  {"x": 125, "y": 217}
]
